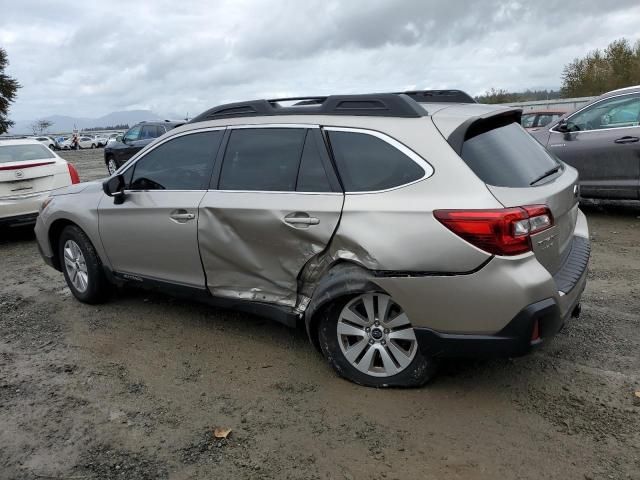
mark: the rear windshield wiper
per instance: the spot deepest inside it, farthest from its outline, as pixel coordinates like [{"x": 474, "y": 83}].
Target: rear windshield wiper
[{"x": 551, "y": 171}]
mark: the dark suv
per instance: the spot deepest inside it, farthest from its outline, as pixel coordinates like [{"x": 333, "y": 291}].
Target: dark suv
[{"x": 134, "y": 139}]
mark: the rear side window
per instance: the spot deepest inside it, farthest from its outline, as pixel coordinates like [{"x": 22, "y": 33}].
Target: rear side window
[
  {"x": 367, "y": 163},
  {"x": 507, "y": 156},
  {"x": 265, "y": 159},
  {"x": 22, "y": 153},
  {"x": 184, "y": 163}
]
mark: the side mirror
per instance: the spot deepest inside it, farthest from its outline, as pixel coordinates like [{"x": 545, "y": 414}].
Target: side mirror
[
  {"x": 114, "y": 187},
  {"x": 563, "y": 126}
]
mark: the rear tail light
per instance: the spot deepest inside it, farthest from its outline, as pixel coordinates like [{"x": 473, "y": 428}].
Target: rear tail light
[
  {"x": 505, "y": 231},
  {"x": 73, "y": 173}
]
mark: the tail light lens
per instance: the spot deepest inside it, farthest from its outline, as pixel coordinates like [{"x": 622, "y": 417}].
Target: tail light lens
[
  {"x": 505, "y": 231},
  {"x": 73, "y": 173}
]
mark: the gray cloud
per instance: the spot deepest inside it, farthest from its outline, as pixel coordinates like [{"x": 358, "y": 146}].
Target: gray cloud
[{"x": 175, "y": 57}]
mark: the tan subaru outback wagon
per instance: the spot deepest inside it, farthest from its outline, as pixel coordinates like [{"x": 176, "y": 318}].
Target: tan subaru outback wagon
[{"x": 398, "y": 228}]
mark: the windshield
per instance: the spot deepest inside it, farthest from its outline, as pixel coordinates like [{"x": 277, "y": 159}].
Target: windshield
[
  {"x": 24, "y": 153},
  {"x": 507, "y": 156}
]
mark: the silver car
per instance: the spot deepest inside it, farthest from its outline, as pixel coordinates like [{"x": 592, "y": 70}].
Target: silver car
[{"x": 400, "y": 228}]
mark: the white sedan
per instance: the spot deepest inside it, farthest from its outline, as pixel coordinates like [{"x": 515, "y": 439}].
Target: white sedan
[
  {"x": 83, "y": 142},
  {"x": 28, "y": 172},
  {"x": 47, "y": 141}
]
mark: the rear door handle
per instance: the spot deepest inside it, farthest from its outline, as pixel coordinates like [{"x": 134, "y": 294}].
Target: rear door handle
[
  {"x": 627, "y": 139},
  {"x": 301, "y": 219},
  {"x": 181, "y": 216}
]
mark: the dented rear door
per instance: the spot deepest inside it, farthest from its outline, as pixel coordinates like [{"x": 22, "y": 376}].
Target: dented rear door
[{"x": 275, "y": 207}]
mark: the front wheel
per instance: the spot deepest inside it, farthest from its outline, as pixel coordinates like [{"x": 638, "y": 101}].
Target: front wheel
[
  {"x": 111, "y": 165},
  {"x": 369, "y": 340},
  {"x": 82, "y": 267}
]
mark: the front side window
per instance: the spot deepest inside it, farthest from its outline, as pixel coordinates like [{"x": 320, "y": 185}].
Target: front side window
[
  {"x": 132, "y": 134},
  {"x": 368, "y": 163},
  {"x": 617, "y": 112},
  {"x": 265, "y": 159},
  {"x": 183, "y": 163}
]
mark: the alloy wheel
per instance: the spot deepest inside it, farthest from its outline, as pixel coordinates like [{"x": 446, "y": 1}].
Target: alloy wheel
[
  {"x": 375, "y": 335},
  {"x": 76, "y": 266},
  {"x": 111, "y": 166}
]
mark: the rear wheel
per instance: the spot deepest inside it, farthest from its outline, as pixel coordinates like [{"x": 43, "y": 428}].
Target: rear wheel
[
  {"x": 81, "y": 266},
  {"x": 369, "y": 340},
  {"x": 93, "y": 145}
]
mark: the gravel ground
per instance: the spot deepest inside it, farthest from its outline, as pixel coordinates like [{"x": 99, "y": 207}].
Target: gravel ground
[{"x": 132, "y": 389}]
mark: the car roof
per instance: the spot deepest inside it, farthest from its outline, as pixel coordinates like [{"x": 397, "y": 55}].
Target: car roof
[
  {"x": 19, "y": 141},
  {"x": 160, "y": 122},
  {"x": 551, "y": 111},
  {"x": 632, "y": 89}
]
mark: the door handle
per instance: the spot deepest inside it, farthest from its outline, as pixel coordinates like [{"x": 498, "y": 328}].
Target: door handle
[
  {"x": 627, "y": 139},
  {"x": 301, "y": 219},
  {"x": 181, "y": 216}
]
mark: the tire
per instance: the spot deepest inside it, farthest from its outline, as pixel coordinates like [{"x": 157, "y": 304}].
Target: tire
[
  {"x": 74, "y": 247},
  {"x": 112, "y": 166},
  {"x": 93, "y": 145},
  {"x": 409, "y": 368}
]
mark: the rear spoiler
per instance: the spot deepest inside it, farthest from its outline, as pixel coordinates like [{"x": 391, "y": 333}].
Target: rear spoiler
[{"x": 482, "y": 123}]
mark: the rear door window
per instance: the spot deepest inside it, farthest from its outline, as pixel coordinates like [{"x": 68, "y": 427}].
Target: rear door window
[
  {"x": 312, "y": 176},
  {"x": 265, "y": 159},
  {"x": 367, "y": 163},
  {"x": 506, "y": 156}
]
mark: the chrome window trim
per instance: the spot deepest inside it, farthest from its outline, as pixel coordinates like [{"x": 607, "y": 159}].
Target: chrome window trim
[
  {"x": 426, "y": 166},
  {"x": 273, "y": 125},
  {"x": 551, "y": 130}
]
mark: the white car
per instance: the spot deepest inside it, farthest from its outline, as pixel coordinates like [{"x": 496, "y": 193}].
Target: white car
[
  {"x": 47, "y": 141},
  {"x": 28, "y": 172},
  {"x": 101, "y": 140},
  {"x": 113, "y": 137},
  {"x": 83, "y": 142}
]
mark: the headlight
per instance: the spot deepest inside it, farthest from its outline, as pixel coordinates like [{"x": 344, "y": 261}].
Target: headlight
[{"x": 45, "y": 203}]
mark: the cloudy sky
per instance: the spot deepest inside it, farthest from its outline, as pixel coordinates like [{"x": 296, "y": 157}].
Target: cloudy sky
[{"x": 183, "y": 56}]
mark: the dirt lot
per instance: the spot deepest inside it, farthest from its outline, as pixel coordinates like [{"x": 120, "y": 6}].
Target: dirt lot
[{"x": 132, "y": 389}]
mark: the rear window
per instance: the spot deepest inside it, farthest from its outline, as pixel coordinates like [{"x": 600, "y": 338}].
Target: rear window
[
  {"x": 507, "y": 156},
  {"x": 24, "y": 153}
]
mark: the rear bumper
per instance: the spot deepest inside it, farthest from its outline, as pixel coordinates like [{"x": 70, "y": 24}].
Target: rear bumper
[
  {"x": 21, "y": 209},
  {"x": 514, "y": 340},
  {"x": 19, "y": 220},
  {"x": 532, "y": 327}
]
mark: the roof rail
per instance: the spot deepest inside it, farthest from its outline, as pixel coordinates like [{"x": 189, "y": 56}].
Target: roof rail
[
  {"x": 398, "y": 104},
  {"x": 440, "y": 96},
  {"x": 374, "y": 104}
]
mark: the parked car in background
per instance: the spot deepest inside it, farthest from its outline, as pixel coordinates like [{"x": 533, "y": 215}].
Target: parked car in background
[
  {"x": 396, "y": 227},
  {"x": 47, "y": 141},
  {"x": 534, "y": 119},
  {"x": 602, "y": 141},
  {"x": 100, "y": 140},
  {"x": 118, "y": 152},
  {"x": 113, "y": 137},
  {"x": 29, "y": 171}
]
